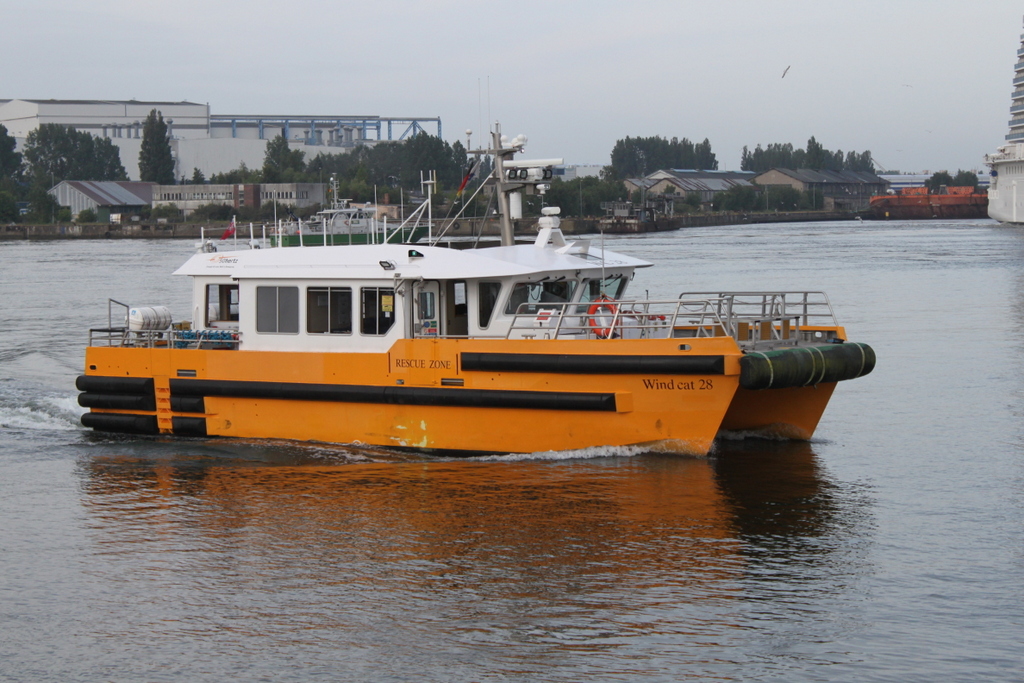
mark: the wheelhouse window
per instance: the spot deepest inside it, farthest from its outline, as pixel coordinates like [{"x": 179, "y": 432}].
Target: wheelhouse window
[
  {"x": 377, "y": 310},
  {"x": 329, "y": 310},
  {"x": 277, "y": 310},
  {"x": 611, "y": 287},
  {"x": 487, "y": 301},
  {"x": 221, "y": 304},
  {"x": 536, "y": 294}
]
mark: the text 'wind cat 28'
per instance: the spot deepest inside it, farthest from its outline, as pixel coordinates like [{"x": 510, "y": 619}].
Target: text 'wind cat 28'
[{"x": 510, "y": 348}]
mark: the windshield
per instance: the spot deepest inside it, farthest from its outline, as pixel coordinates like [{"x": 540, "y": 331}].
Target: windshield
[{"x": 536, "y": 294}]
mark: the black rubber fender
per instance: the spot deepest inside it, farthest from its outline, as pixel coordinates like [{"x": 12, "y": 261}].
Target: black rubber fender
[
  {"x": 803, "y": 366},
  {"x": 117, "y": 401},
  {"x": 126, "y": 424}
]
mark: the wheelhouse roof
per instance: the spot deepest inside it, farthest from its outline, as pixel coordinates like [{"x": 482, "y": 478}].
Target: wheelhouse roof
[{"x": 364, "y": 262}]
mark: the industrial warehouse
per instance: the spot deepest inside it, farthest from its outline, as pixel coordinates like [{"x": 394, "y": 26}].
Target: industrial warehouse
[{"x": 209, "y": 142}]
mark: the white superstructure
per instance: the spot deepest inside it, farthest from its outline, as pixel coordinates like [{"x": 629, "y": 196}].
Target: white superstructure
[{"x": 1006, "y": 191}]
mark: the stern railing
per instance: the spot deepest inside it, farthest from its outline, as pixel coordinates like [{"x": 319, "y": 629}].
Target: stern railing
[{"x": 177, "y": 335}]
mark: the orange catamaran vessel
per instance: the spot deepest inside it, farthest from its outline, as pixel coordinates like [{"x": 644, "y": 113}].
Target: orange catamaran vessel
[{"x": 511, "y": 348}]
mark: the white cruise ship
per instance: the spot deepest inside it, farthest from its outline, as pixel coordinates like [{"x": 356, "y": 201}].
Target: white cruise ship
[{"x": 1005, "y": 199}]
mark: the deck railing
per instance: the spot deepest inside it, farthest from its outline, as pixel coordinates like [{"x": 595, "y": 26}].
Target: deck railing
[
  {"x": 176, "y": 336},
  {"x": 756, "y": 320},
  {"x": 170, "y": 338},
  {"x": 652, "y": 319}
]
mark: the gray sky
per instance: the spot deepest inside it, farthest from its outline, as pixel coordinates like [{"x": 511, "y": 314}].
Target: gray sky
[{"x": 923, "y": 84}]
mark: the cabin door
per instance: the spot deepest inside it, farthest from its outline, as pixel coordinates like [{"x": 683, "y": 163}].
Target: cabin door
[
  {"x": 427, "y": 318},
  {"x": 455, "y": 308}
]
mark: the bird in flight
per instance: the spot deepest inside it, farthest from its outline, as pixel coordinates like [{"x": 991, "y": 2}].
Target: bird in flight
[{"x": 785, "y": 72}]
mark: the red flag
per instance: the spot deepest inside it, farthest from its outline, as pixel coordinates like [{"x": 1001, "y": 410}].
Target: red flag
[
  {"x": 230, "y": 231},
  {"x": 470, "y": 172}
]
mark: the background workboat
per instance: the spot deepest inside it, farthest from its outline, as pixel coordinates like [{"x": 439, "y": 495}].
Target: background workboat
[
  {"x": 513, "y": 348},
  {"x": 344, "y": 224}
]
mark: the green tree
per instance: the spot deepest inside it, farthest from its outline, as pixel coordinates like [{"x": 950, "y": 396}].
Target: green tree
[
  {"x": 965, "y": 179},
  {"x": 935, "y": 183},
  {"x": 86, "y": 216},
  {"x": 106, "y": 159},
  {"x": 156, "y": 163},
  {"x": 54, "y": 153},
  {"x": 166, "y": 211},
  {"x": 638, "y": 157},
  {"x": 42, "y": 205},
  {"x": 583, "y": 197},
  {"x": 212, "y": 212},
  {"x": 816, "y": 157},
  {"x": 197, "y": 177},
  {"x": 282, "y": 164},
  {"x": 423, "y": 153},
  {"x": 8, "y": 207},
  {"x": 10, "y": 161},
  {"x": 738, "y": 198},
  {"x": 242, "y": 174}
]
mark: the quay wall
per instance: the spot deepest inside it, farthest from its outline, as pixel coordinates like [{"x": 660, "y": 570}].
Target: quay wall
[
  {"x": 462, "y": 228},
  {"x": 73, "y": 231}
]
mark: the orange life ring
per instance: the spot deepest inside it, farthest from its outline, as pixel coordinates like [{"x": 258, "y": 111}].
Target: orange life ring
[{"x": 602, "y": 316}]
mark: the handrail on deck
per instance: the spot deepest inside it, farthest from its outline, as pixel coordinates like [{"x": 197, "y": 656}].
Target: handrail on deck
[
  {"x": 170, "y": 338},
  {"x": 756, "y": 320},
  {"x": 650, "y": 319},
  {"x": 813, "y": 308}
]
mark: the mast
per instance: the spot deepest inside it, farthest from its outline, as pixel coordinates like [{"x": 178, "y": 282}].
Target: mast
[
  {"x": 504, "y": 188},
  {"x": 508, "y": 176}
]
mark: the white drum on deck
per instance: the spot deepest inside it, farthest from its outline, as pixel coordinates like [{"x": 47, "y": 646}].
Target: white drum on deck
[{"x": 149, "y": 318}]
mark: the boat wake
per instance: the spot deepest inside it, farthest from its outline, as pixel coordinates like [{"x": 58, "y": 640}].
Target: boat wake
[
  {"x": 591, "y": 452},
  {"x": 39, "y": 412}
]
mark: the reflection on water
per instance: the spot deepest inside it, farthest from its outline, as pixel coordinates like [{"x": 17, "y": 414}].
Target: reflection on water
[{"x": 615, "y": 556}]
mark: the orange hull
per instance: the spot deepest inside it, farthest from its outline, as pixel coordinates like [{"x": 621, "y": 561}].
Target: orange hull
[
  {"x": 469, "y": 396},
  {"x": 784, "y": 413},
  {"x": 427, "y": 394}
]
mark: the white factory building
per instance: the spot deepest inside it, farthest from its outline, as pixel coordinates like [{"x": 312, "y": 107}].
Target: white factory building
[{"x": 199, "y": 139}]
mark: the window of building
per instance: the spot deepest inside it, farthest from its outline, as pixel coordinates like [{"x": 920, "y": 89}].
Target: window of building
[
  {"x": 329, "y": 310},
  {"x": 377, "y": 312},
  {"x": 277, "y": 310}
]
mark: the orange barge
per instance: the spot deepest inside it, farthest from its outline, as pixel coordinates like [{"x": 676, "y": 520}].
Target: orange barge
[{"x": 918, "y": 203}]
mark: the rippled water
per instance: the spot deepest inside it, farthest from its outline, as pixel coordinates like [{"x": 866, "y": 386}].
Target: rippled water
[{"x": 889, "y": 548}]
